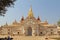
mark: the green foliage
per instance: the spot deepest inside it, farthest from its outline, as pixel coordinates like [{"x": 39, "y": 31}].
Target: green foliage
[{"x": 4, "y": 4}]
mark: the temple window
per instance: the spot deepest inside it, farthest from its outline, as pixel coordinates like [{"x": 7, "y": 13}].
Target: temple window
[
  {"x": 8, "y": 32},
  {"x": 51, "y": 33},
  {"x": 40, "y": 32},
  {"x": 18, "y": 33}
]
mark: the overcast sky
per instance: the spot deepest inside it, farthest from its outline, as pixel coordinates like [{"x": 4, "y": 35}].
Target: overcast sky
[{"x": 46, "y": 9}]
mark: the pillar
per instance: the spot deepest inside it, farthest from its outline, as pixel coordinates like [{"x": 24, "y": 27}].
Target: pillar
[{"x": 33, "y": 32}]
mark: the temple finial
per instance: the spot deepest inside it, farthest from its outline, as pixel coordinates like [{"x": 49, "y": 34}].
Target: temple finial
[
  {"x": 22, "y": 18},
  {"x": 46, "y": 21},
  {"x": 15, "y": 21},
  {"x": 30, "y": 13},
  {"x": 6, "y": 24},
  {"x": 38, "y": 18}
]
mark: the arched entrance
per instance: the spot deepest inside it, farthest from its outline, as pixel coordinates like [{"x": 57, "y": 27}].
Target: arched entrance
[{"x": 29, "y": 31}]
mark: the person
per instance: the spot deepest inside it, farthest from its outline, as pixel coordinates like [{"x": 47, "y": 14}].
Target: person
[{"x": 8, "y": 38}]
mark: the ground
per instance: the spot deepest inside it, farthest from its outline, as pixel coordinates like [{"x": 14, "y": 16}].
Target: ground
[{"x": 31, "y": 37}]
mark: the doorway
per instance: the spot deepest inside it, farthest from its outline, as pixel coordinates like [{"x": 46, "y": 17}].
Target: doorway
[{"x": 29, "y": 31}]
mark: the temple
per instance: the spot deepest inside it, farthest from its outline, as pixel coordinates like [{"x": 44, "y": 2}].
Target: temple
[{"x": 30, "y": 26}]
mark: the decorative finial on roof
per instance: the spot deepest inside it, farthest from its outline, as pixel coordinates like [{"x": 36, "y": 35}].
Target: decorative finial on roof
[
  {"x": 38, "y": 18},
  {"x": 30, "y": 13},
  {"x": 46, "y": 21},
  {"x": 14, "y": 21},
  {"x": 6, "y": 24},
  {"x": 22, "y": 18}
]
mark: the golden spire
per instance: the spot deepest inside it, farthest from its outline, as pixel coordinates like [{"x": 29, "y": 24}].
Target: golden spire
[{"x": 30, "y": 13}]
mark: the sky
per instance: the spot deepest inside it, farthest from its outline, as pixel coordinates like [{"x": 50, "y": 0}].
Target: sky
[{"x": 46, "y": 9}]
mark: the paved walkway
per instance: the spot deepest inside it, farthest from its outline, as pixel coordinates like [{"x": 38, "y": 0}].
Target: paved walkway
[{"x": 28, "y": 37}]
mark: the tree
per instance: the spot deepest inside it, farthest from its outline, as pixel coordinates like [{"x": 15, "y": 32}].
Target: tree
[
  {"x": 58, "y": 23},
  {"x": 4, "y": 4}
]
